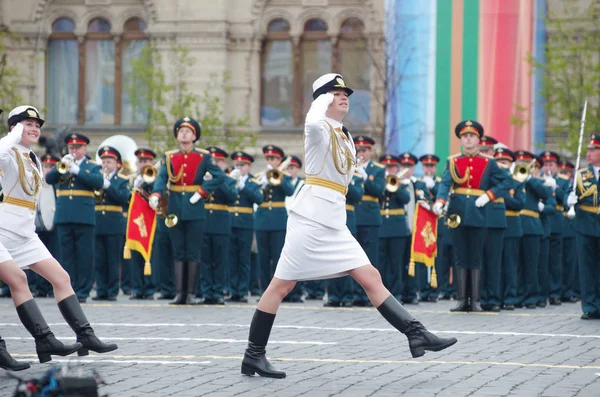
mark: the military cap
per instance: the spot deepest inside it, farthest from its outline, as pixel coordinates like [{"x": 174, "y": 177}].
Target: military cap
[
  {"x": 594, "y": 142},
  {"x": 550, "y": 156},
  {"x": 272, "y": 150},
  {"x": 468, "y": 126},
  {"x": 429, "y": 159},
  {"x": 242, "y": 157},
  {"x": 504, "y": 154},
  {"x": 145, "y": 154},
  {"x": 109, "y": 152},
  {"x": 296, "y": 161},
  {"x": 389, "y": 159},
  {"x": 21, "y": 113},
  {"x": 229, "y": 169},
  {"x": 407, "y": 158},
  {"x": 565, "y": 164},
  {"x": 50, "y": 159},
  {"x": 539, "y": 162},
  {"x": 328, "y": 82},
  {"x": 363, "y": 141},
  {"x": 523, "y": 155},
  {"x": 187, "y": 122},
  {"x": 217, "y": 152},
  {"x": 487, "y": 142},
  {"x": 77, "y": 139}
]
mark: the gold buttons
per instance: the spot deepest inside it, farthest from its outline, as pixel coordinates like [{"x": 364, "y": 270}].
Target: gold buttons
[
  {"x": 185, "y": 164},
  {"x": 185, "y": 156}
]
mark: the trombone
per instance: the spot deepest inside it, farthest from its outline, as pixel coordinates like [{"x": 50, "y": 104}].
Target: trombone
[
  {"x": 452, "y": 220},
  {"x": 392, "y": 182},
  {"x": 275, "y": 176}
]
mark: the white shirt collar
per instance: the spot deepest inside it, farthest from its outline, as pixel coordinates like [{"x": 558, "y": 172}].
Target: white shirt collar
[
  {"x": 79, "y": 162},
  {"x": 334, "y": 123},
  {"x": 22, "y": 148},
  {"x": 596, "y": 169}
]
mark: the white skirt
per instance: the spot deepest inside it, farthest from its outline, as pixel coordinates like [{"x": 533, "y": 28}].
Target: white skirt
[
  {"x": 313, "y": 251},
  {"x": 23, "y": 250}
]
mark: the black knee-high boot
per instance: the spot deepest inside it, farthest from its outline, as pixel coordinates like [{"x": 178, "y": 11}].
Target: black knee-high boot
[
  {"x": 46, "y": 343},
  {"x": 7, "y": 362},
  {"x": 193, "y": 269},
  {"x": 461, "y": 290},
  {"x": 180, "y": 284},
  {"x": 419, "y": 339},
  {"x": 475, "y": 279},
  {"x": 73, "y": 314},
  {"x": 255, "y": 357}
]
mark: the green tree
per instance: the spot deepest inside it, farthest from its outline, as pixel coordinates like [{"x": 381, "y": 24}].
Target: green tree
[
  {"x": 162, "y": 103},
  {"x": 571, "y": 72},
  {"x": 9, "y": 78}
]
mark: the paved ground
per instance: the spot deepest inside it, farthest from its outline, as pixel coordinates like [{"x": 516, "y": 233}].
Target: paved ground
[{"x": 196, "y": 351}]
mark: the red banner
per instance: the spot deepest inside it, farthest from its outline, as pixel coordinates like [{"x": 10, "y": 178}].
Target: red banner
[
  {"x": 424, "y": 241},
  {"x": 141, "y": 225}
]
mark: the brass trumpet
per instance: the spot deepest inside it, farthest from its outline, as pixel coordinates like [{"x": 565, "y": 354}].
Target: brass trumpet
[
  {"x": 149, "y": 174},
  {"x": 170, "y": 219},
  {"x": 392, "y": 182},
  {"x": 62, "y": 167},
  {"x": 275, "y": 176},
  {"x": 522, "y": 171},
  {"x": 452, "y": 220}
]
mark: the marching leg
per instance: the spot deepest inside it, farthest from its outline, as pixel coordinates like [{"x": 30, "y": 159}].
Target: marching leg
[
  {"x": 255, "y": 357},
  {"x": 460, "y": 278},
  {"x": 178, "y": 275},
  {"x": 7, "y": 362}
]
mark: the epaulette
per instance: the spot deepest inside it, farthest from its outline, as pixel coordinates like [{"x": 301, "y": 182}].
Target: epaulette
[
  {"x": 376, "y": 164},
  {"x": 123, "y": 175},
  {"x": 582, "y": 170},
  {"x": 562, "y": 176},
  {"x": 203, "y": 151},
  {"x": 452, "y": 156},
  {"x": 487, "y": 156}
]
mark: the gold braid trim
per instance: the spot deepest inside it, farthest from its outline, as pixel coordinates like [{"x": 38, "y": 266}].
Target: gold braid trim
[
  {"x": 172, "y": 177},
  {"x": 592, "y": 191},
  {"x": 28, "y": 188},
  {"x": 458, "y": 180},
  {"x": 342, "y": 158}
]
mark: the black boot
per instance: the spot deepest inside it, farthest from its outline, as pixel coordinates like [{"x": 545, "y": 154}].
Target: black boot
[
  {"x": 179, "y": 278},
  {"x": 255, "y": 357},
  {"x": 192, "y": 281},
  {"x": 462, "y": 305},
  {"x": 7, "y": 362},
  {"x": 46, "y": 343},
  {"x": 419, "y": 339},
  {"x": 475, "y": 279},
  {"x": 72, "y": 313}
]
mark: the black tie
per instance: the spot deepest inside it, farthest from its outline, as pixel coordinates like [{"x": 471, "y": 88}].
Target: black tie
[{"x": 33, "y": 158}]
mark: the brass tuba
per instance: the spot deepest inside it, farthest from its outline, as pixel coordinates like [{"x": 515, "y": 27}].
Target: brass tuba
[
  {"x": 127, "y": 147},
  {"x": 392, "y": 182}
]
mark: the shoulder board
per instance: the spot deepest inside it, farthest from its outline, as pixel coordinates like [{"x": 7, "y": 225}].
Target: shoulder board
[
  {"x": 376, "y": 164},
  {"x": 562, "y": 176},
  {"x": 487, "y": 156},
  {"x": 583, "y": 170},
  {"x": 123, "y": 175},
  {"x": 454, "y": 156},
  {"x": 172, "y": 151},
  {"x": 438, "y": 179},
  {"x": 203, "y": 151},
  {"x": 254, "y": 180}
]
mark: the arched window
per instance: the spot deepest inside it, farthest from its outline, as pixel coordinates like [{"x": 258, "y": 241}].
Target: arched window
[
  {"x": 99, "y": 73},
  {"x": 277, "y": 105},
  {"x": 133, "y": 43},
  {"x": 62, "y": 73},
  {"x": 316, "y": 57},
  {"x": 354, "y": 63}
]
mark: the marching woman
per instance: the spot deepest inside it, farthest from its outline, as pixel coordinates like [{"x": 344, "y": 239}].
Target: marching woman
[
  {"x": 318, "y": 244},
  {"x": 23, "y": 248}
]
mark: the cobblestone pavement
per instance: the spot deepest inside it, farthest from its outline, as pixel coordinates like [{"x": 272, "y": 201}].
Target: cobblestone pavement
[{"x": 196, "y": 351}]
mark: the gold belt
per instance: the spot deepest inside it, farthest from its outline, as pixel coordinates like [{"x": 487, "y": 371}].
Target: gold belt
[
  {"x": 109, "y": 208},
  {"x": 216, "y": 207},
  {"x": 316, "y": 181},
  {"x": 399, "y": 211},
  {"x": 530, "y": 213},
  {"x": 71, "y": 193},
  {"x": 366, "y": 197},
  {"x": 20, "y": 202},
  {"x": 349, "y": 207},
  {"x": 186, "y": 188},
  {"x": 273, "y": 204},
  {"x": 468, "y": 191},
  {"x": 499, "y": 200},
  {"x": 560, "y": 208},
  {"x": 512, "y": 213},
  {"x": 589, "y": 208},
  {"x": 241, "y": 210}
]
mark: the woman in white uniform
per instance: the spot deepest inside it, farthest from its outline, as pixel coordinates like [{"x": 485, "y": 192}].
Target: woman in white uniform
[
  {"x": 318, "y": 244},
  {"x": 23, "y": 249}
]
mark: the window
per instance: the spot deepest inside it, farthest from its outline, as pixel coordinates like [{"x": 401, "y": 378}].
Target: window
[
  {"x": 289, "y": 70},
  {"x": 85, "y": 79},
  {"x": 62, "y": 73}
]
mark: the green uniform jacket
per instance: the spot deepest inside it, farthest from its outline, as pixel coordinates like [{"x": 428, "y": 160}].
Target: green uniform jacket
[
  {"x": 271, "y": 219},
  {"x": 368, "y": 213},
  {"x": 246, "y": 198},
  {"x": 534, "y": 192},
  {"x": 117, "y": 194},
  {"x": 586, "y": 223},
  {"x": 219, "y": 221}
]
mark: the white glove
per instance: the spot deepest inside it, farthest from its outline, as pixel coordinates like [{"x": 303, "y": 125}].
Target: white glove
[
  {"x": 572, "y": 199},
  {"x": 207, "y": 177},
  {"x": 263, "y": 181},
  {"x": 235, "y": 173},
  {"x": 153, "y": 202},
  {"x": 429, "y": 182},
  {"x": 195, "y": 198},
  {"x": 74, "y": 169},
  {"x": 68, "y": 159},
  {"x": 18, "y": 130},
  {"x": 541, "y": 206},
  {"x": 363, "y": 174},
  {"x": 424, "y": 205},
  {"x": 138, "y": 181},
  {"x": 241, "y": 185},
  {"x": 269, "y": 167},
  {"x": 437, "y": 208},
  {"x": 106, "y": 184},
  {"x": 420, "y": 194},
  {"x": 482, "y": 200},
  {"x": 551, "y": 182}
]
